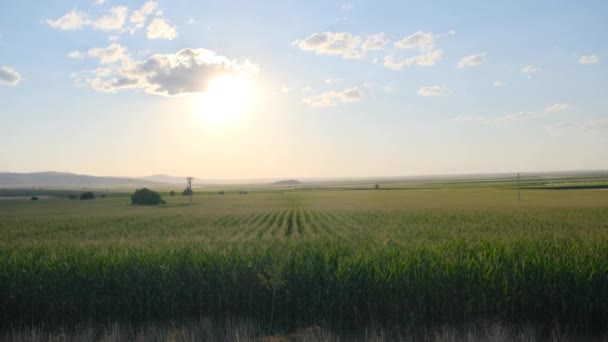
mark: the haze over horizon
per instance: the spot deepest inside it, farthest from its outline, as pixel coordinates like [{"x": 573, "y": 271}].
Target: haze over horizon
[{"x": 242, "y": 90}]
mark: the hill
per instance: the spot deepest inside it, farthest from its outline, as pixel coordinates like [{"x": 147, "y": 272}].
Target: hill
[
  {"x": 160, "y": 178},
  {"x": 287, "y": 182},
  {"x": 65, "y": 179}
]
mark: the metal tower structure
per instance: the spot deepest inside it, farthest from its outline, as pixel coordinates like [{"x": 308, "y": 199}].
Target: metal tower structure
[
  {"x": 189, "y": 187},
  {"x": 518, "y": 189}
]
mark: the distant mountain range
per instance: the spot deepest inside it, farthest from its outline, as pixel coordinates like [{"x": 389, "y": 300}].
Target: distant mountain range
[
  {"x": 164, "y": 179},
  {"x": 64, "y": 179},
  {"x": 287, "y": 182},
  {"x": 72, "y": 180}
]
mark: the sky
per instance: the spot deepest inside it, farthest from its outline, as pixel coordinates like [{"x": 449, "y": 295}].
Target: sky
[{"x": 256, "y": 89}]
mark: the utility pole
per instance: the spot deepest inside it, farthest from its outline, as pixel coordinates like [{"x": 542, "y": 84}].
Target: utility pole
[
  {"x": 518, "y": 189},
  {"x": 189, "y": 187}
]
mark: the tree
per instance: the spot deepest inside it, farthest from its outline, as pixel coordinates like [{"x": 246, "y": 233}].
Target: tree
[
  {"x": 87, "y": 195},
  {"x": 172, "y": 193},
  {"x": 377, "y": 186},
  {"x": 34, "y": 198},
  {"x": 145, "y": 196},
  {"x": 102, "y": 196},
  {"x": 221, "y": 192}
]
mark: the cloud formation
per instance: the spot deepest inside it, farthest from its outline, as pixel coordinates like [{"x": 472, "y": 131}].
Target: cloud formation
[
  {"x": 375, "y": 42},
  {"x": 592, "y": 59},
  {"x": 596, "y": 125},
  {"x": 113, "y": 53},
  {"x": 426, "y": 59},
  {"x": 161, "y": 29},
  {"x": 425, "y": 41},
  {"x": 552, "y": 109},
  {"x": 112, "y": 21},
  {"x": 9, "y": 76},
  {"x": 530, "y": 69},
  {"x": 436, "y": 90},
  {"x": 75, "y": 54},
  {"x": 472, "y": 60},
  {"x": 332, "y": 98},
  {"x": 138, "y": 18},
  {"x": 332, "y": 43},
  {"x": 115, "y": 20},
  {"x": 463, "y": 117},
  {"x": 73, "y": 20},
  {"x": 184, "y": 72},
  {"x": 599, "y": 125}
]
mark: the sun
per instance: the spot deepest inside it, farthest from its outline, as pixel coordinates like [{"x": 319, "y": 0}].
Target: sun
[{"x": 227, "y": 99}]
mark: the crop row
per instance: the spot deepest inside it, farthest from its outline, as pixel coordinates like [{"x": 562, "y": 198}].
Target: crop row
[{"x": 343, "y": 284}]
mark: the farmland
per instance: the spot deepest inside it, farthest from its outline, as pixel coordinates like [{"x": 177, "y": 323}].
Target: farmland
[{"x": 289, "y": 258}]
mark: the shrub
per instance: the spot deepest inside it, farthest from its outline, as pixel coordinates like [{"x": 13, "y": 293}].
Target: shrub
[
  {"x": 87, "y": 195},
  {"x": 221, "y": 192},
  {"x": 72, "y": 196},
  {"x": 102, "y": 196},
  {"x": 187, "y": 192},
  {"x": 34, "y": 198},
  {"x": 145, "y": 196},
  {"x": 172, "y": 193}
]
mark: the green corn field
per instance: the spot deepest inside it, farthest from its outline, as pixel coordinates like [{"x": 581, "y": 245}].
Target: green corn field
[{"x": 342, "y": 259}]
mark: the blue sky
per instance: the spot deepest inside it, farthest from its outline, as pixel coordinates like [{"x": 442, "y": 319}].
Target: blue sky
[{"x": 246, "y": 89}]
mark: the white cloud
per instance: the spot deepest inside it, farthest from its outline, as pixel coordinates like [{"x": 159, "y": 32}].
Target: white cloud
[
  {"x": 190, "y": 21},
  {"x": 463, "y": 117},
  {"x": 285, "y": 89},
  {"x": 425, "y": 41},
  {"x": 600, "y": 125},
  {"x": 332, "y": 43},
  {"x": 426, "y": 59},
  {"x": 555, "y": 108},
  {"x": 346, "y": 8},
  {"x": 111, "y": 54},
  {"x": 596, "y": 125},
  {"x": 561, "y": 125},
  {"x": 306, "y": 89},
  {"x": 499, "y": 84},
  {"x": 388, "y": 89},
  {"x": 184, "y": 72},
  {"x": 472, "y": 60},
  {"x": 436, "y": 90},
  {"x": 161, "y": 29},
  {"x": 75, "y": 54},
  {"x": 375, "y": 42},
  {"x": 100, "y": 2},
  {"x": 138, "y": 18},
  {"x": 9, "y": 76},
  {"x": 331, "y": 80},
  {"x": 332, "y": 98},
  {"x": 530, "y": 69},
  {"x": 113, "y": 21},
  {"x": 592, "y": 59},
  {"x": 73, "y": 20}
]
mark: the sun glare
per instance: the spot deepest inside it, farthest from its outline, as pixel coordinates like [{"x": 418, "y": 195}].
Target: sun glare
[{"x": 227, "y": 99}]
